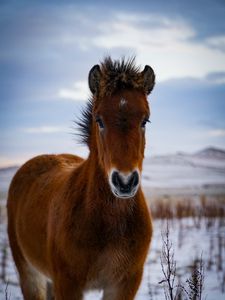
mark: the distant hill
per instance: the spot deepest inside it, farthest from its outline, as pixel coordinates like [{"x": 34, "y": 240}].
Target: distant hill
[
  {"x": 211, "y": 152},
  {"x": 9, "y": 169},
  {"x": 200, "y": 172}
]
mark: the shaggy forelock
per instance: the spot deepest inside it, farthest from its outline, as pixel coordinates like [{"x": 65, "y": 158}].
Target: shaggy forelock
[{"x": 119, "y": 74}]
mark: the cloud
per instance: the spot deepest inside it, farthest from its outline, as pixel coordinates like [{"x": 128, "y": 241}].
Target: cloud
[
  {"x": 141, "y": 32},
  {"x": 170, "y": 45},
  {"x": 65, "y": 38},
  {"x": 78, "y": 92},
  {"x": 216, "y": 77},
  {"x": 45, "y": 129},
  {"x": 217, "y": 133},
  {"x": 217, "y": 42}
]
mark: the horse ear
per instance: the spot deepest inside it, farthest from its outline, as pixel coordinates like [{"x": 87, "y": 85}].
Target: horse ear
[
  {"x": 94, "y": 79},
  {"x": 148, "y": 79}
]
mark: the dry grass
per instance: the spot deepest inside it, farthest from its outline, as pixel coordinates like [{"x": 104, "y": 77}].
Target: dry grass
[{"x": 197, "y": 207}]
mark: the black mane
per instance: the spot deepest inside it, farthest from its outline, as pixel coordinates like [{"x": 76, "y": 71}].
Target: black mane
[{"x": 85, "y": 123}]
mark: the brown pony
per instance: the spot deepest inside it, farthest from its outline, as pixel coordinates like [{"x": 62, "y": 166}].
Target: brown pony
[{"x": 84, "y": 224}]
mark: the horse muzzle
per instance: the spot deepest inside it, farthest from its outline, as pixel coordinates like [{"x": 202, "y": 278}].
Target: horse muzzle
[{"x": 124, "y": 185}]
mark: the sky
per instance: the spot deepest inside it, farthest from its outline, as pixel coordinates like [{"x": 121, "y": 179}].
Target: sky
[{"x": 48, "y": 47}]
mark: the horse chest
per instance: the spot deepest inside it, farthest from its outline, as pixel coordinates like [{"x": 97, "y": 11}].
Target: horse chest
[{"x": 109, "y": 267}]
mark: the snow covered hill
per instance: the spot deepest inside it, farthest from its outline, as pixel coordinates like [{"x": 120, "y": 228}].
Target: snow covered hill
[{"x": 186, "y": 173}]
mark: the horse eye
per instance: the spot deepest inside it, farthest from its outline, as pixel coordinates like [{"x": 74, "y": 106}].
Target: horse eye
[
  {"x": 100, "y": 123},
  {"x": 144, "y": 123}
]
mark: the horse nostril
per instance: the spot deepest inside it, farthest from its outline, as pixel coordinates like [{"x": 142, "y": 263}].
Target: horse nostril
[
  {"x": 134, "y": 179},
  {"x": 115, "y": 178}
]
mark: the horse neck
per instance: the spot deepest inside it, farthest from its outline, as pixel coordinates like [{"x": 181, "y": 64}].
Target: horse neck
[{"x": 96, "y": 177}]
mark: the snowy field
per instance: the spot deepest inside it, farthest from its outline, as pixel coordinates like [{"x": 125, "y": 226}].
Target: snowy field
[{"x": 195, "y": 177}]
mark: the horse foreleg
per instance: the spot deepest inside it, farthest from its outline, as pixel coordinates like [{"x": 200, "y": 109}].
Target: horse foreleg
[
  {"x": 67, "y": 289},
  {"x": 124, "y": 290}
]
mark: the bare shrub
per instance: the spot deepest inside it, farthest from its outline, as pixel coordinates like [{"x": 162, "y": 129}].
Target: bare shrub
[
  {"x": 174, "y": 289},
  {"x": 168, "y": 266},
  {"x": 3, "y": 264},
  {"x": 194, "y": 289},
  {"x": 7, "y": 296}
]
